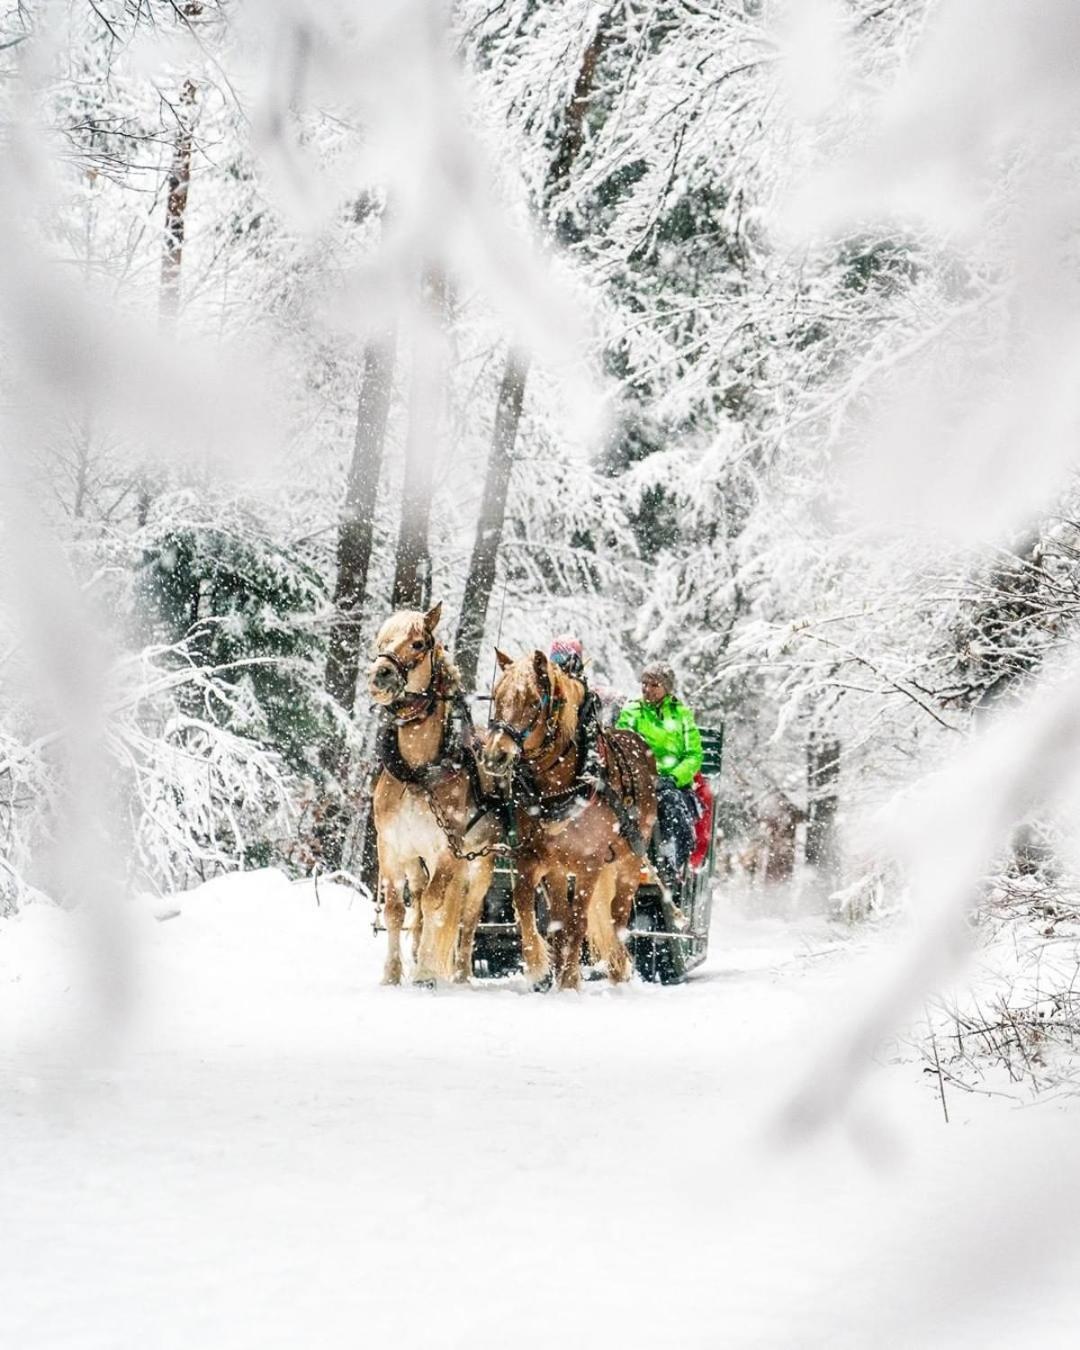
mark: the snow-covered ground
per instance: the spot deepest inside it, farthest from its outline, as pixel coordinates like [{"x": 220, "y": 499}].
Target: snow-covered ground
[{"x": 273, "y": 1150}]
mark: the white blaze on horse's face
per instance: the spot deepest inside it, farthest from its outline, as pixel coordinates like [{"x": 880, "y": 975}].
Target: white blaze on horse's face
[{"x": 404, "y": 655}]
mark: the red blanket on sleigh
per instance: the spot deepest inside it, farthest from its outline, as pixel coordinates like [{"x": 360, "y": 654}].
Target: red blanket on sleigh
[{"x": 703, "y": 824}]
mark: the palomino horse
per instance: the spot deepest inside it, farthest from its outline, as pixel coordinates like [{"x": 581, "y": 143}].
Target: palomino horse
[
  {"x": 424, "y": 803},
  {"x": 566, "y": 828}
]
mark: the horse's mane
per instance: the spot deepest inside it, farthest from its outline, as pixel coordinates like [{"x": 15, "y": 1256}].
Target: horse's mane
[{"x": 448, "y": 675}]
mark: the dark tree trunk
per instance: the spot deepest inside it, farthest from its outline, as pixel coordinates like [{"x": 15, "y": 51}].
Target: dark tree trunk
[
  {"x": 779, "y": 831},
  {"x": 172, "y": 245},
  {"x": 412, "y": 570},
  {"x": 481, "y": 576},
  {"x": 489, "y": 528},
  {"x": 356, "y": 530},
  {"x": 355, "y": 535},
  {"x": 175, "y": 210},
  {"x": 823, "y": 773},
  {"x": 573, "y": 132}
]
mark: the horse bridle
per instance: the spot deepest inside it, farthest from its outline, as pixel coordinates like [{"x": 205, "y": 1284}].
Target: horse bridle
[
  {"x": 423, "y": 697},
  {"x": 400, "y": 666},
  {"x": 548, "y": 708}
]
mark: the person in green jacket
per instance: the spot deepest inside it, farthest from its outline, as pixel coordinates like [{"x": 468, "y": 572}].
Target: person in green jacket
[{"x": 667, "y": 727}]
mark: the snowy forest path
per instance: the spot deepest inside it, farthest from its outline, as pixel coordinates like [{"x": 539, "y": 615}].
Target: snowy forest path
[{"x": 279, "y": 1152}]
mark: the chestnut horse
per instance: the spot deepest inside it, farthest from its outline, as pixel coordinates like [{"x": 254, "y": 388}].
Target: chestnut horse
[
  {"x": 425, "y": 803},
  {"x": 566, "y": 827}
]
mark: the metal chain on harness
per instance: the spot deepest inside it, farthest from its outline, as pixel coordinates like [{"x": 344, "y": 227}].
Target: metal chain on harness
[{"x": 456, "y": 842}]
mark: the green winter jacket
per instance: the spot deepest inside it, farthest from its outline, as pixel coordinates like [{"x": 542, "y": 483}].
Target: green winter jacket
[{"x": 670, "y": 732}]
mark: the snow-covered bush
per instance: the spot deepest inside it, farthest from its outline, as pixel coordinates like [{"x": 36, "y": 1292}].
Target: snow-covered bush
[{"x": 1014, "y": 1027}]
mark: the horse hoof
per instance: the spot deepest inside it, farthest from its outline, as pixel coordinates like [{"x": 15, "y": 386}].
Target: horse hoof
[
  {"x": 542, "y": 984},
  {"x": 392, "y": 977},
  {"x": 424, "y": 981}
]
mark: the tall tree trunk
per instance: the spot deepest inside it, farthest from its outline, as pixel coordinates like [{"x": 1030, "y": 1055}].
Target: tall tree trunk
[
  {"x": 355, "y": 535},
  {"x": 176, "y": 210},
  {"x": 357, "y": 526},
  {"x": 485, "y": 553},
  {"x": 412, "y": 569},
  {"x": 489, "y": 528},
  {"x": 573, "y": 133},
  {"x": 779, "y": 826},
  {"x": 822, "y": 773},
  {"x": 172, "y": 245}
]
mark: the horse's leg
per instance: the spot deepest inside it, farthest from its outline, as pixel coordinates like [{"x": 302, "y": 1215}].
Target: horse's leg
[
  {"x": 574, "y": 926},
  {"x": 602, "y": 931},
  {"x": 534, "y": 950},
  {"x": 395, "y": 917},
  {"x": 478, "y": 882},
  {"x": 417, "y": 876},
  {"x": 596, "y": 926},
  {"x": 440, "y": 911},
  {"x": 626, "y": 884},
  {"x": 559, "y": 923}
]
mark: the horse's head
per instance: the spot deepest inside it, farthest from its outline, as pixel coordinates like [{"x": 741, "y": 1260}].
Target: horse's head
[
  {"x": 405, "y": 652},
  {"x": 529, "y": 697}
]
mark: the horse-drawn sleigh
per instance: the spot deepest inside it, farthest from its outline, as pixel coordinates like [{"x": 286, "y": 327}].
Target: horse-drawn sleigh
[{"x": 510, "y": 856}]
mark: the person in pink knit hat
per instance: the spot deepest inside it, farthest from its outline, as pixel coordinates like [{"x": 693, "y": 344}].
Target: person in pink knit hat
[{"x": 567, "y": 653}]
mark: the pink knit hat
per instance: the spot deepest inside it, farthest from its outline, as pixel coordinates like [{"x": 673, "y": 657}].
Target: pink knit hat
[{"x": 565, "y": 645}]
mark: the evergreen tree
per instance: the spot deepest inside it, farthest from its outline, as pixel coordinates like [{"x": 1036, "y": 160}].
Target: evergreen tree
[{"x": 231, "y": 601}]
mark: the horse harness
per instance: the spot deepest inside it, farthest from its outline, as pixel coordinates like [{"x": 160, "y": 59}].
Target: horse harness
[
  {"x": 557, "y": 806},
  {"x": 454, "y": 754}
]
